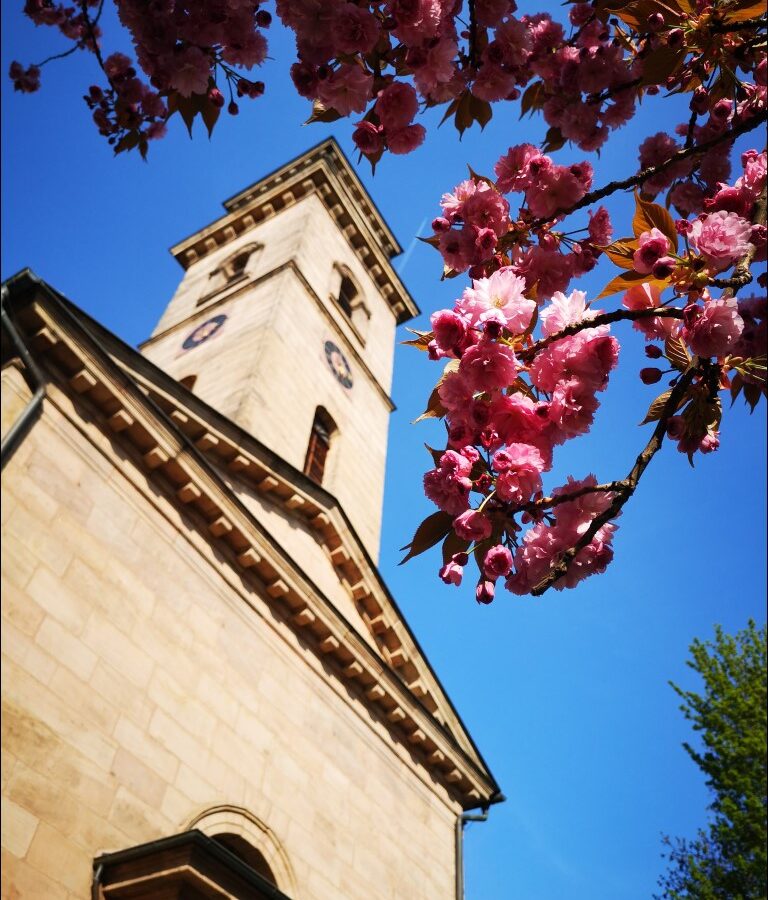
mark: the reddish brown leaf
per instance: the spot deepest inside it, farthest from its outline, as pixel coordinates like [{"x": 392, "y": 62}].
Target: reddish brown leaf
[
  {"x": 656, "y": 408},
  {"x": 651, "y": 215},
  {"x": 621, "y": 252},
  {"x": 432, "y": 530},
  {"x": 533, "y": 98}
]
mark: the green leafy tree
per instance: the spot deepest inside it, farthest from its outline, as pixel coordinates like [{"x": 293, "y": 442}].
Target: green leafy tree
[{"x": 727, "y": 861}]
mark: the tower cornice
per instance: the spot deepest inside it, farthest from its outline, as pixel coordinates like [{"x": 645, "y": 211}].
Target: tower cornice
[{"x": 324, "y": 172}]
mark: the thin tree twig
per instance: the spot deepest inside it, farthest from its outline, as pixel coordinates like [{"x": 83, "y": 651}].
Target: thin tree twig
[
  {"x": 58, "y": 56},
  {"x": 625, "y": 488},
  {"x": 472, "y": 34}
]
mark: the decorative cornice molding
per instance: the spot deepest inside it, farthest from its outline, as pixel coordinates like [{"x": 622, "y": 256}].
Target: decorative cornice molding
[{"x": 325, "y": 173}]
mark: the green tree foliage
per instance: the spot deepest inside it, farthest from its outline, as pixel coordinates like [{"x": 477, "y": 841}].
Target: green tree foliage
[{"x": 727, "y": 861}]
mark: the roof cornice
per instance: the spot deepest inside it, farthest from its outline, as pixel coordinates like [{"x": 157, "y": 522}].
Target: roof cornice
[{"x": 177, "y": 459}]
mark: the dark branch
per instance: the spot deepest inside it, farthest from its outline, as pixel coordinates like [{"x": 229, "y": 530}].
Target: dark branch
[
  {"x": 618, "y": 315},
  {"x": 635, "y": 180},
  {"x": 557, "y": 499},
  {"x": 624, "y": 489}
]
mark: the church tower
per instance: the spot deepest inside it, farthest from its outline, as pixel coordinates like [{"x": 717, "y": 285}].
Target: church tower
[{"x": 285, "y": 321}]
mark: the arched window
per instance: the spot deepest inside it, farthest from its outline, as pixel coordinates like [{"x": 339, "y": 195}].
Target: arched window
[
  {"x": 236, "y": 267},
  {"x": 188, "y": 381},
  {"x": 248, "y": 853},
  {"x": 347, "y": 295},
  {"x": 323, "y": 428},
  {"x": 350, "y": 300}
]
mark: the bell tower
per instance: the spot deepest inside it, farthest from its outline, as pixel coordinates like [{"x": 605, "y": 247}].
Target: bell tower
[{"x": 285, "y": 321}]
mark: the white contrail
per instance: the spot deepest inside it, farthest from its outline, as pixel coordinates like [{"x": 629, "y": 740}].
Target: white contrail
[{"x": 407, "y": 255}]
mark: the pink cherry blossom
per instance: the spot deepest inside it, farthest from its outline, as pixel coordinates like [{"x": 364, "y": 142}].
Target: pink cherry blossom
[
  {"x": 451, "y": 573},
  {"x": 191, "y": 71},
  {"x": 653, "y": 245},
  {"x": 472, "y": 525},
  {"x": 502, "y": 292},
  {"x": 600, "y": 229},
  {"x": 564, "y": 311},
  {"x": 520, "y": 467},
  {"x": 721, "y": 238},
  {"x": 450, "y": 330},
  {"x": 497, "y": 562},
  {"x": 397, "y": 105},
  {"x": 347, "y": 90},
  {"x": 713, "y": 329},
  {"x": 448, "y": 485},
  {"x": 648, "y": 296},
  {"x": 488, "y": 366},
  {"x": 406, "y": 140}
]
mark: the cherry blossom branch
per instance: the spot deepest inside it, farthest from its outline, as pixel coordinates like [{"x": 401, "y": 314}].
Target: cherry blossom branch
[
  {"x": 633, "y": 181},
  {"x": 618, "y": 315},
  {"x": 623, "y": 489},
  {"x": 557, "y": 499}
]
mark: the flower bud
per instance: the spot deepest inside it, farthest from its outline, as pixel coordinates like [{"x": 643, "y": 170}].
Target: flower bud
[
  {"x": 676, "y": 427},
  {"x": 493, "y": 329},
  {"x": 700, "y": 100},
  {"x": 233, "y": 109},
  {"x": 650, "y": 375},
  {"x": 655, "y": 21},
  {"x": 664, "y": 267},
  {"x": 451, "y": 573},
  {"x": 440, "y": 224},
  {"x": 653, "y": 352},
  {"x": 485, "y": 591},
  {"x": 675, "y": 37},
  {"x": 263, "y": 18},
  {"x": 461, "y": 559},
  {"x": 216, "y": 97},
  {"x": 483, "y": 482}
]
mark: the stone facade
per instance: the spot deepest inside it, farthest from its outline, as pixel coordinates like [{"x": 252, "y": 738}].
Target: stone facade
[{"x": 194, "y": 633}]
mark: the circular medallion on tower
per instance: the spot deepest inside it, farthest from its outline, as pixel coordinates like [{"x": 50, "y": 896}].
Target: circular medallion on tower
[
  {"x": 338, "y": 364},
  {"x": 203, "y": 332}
]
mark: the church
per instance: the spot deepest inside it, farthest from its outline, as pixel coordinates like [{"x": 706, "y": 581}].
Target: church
[{"x": 208, "y": 690}]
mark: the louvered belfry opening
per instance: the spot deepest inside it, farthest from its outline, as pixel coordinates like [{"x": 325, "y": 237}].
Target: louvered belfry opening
[{"x": 323, "y": 428}]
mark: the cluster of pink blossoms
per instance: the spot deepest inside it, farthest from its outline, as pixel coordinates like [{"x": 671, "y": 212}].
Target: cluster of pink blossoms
[
  {"x": 501, "y": 438},
  {"x": 586, "y": 77},
  {"x": 475, "y": 229},
  {"x": 508, "y": 402},
  {"x": 179, "y": 47}
]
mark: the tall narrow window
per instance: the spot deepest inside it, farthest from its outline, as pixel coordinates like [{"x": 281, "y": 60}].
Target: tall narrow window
[
  {"x": 319, "y": 445},
  {"x": 347, "y": 294}
]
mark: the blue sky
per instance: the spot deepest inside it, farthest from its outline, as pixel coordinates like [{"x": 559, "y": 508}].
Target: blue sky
[{"x": 567, "y": 695}]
